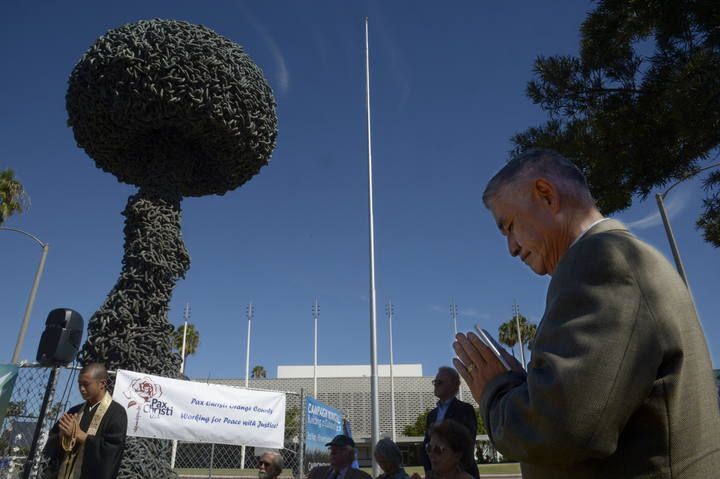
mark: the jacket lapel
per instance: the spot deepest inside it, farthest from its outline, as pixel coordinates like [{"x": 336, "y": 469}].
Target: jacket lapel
[{"x": 452, "y": 409}]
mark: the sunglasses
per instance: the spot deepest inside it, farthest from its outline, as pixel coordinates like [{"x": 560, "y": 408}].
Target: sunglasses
[
  {"x": 265, "y": 463},
  {"x": 437, "y": 382},
  {"x": 435, "y": 450}
]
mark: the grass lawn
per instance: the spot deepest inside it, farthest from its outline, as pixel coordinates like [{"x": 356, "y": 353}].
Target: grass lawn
[{"x": 507, "y": 468}]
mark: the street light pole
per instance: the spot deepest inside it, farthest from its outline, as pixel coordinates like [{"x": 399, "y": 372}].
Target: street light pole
[
  {"x": 390, "y": 310},
  {"x": 666, "y": 221},
  {"x": 671, "y": 237},
  {"x": 31, "y": 300}
]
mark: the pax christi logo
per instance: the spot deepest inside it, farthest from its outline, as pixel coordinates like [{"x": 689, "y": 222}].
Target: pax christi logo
[
  {"x": 143, "y": 394},
  {"x": 142, "y": 389}
]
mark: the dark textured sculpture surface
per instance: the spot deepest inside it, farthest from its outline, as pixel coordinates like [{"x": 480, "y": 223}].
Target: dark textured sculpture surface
[
  {"x": 176, "y": 110},
  {"x": 162, "y": 102}
]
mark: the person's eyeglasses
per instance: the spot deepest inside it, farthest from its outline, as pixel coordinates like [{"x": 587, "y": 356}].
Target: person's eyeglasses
[
  {"x": 265, "y": 463},
  {"x": 435, "y": 450},
  {"x": 437, "y": 382}
]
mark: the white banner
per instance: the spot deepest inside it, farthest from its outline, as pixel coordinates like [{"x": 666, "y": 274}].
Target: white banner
[{"x": 164, "y": 408}]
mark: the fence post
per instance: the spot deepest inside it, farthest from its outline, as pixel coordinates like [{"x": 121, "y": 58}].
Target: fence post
[
  {"x": 32, "y": 459},
  {"x": 301, "y": 453},
  {"x": 173, "y": 453},
  {"x": 212, "y": 456}
]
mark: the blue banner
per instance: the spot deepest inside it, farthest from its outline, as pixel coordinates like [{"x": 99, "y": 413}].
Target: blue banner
[
  {"x": 8, "y": 375},
  {"x": 322, "y": 423}
]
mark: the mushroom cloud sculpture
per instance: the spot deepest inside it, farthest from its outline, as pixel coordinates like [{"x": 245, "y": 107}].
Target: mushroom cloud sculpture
[{"x": 176, "y": 110}]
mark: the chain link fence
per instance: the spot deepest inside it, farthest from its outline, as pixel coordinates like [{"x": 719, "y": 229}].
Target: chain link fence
[
  {"x": 192, "y": 460},
  {"x": 20, "y": 423},
  {"x": 208, "y": 460}
]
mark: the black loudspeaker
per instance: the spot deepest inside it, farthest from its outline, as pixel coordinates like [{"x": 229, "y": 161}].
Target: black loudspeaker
[{"x": 60, "y": 341}]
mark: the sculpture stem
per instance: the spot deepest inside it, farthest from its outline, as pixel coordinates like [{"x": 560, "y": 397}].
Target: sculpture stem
[{"x": 131, "y": 330}]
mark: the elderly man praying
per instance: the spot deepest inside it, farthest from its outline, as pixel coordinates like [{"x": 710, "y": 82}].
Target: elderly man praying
[{"x": 620, "y": 380}]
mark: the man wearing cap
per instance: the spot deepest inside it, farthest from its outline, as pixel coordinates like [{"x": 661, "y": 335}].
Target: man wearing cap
[{"x": 342, "y": 455}]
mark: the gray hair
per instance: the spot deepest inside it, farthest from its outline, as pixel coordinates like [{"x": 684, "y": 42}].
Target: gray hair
[
  {"x": 451, "y": 372},
  {"x": 389, "y": 450},
  {"x": 549, "y": 163},
  {"x": 277, "y": 462}
]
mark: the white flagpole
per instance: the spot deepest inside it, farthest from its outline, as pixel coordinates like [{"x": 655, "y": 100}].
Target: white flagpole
[{"x": 375, "y": 403}]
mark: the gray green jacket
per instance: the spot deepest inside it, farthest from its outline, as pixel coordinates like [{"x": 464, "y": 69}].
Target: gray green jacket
[{"x": 620, "y": 382}]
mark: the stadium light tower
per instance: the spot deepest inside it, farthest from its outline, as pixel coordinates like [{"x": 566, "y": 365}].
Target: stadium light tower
[
  {"x": 390, "y": 310},
  {"x": 186, "y": 318},
  {"x": 453, "y": 315},
  {"x": 516, "y": 315},
  {"x": 249, "y": 313},
  {"x": 316, "y": 315}
]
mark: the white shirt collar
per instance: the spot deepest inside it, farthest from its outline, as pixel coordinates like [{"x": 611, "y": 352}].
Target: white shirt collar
[{"x": 594, "y": 223}]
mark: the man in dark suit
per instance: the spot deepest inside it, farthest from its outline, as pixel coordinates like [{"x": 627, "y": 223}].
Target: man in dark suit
[
  {"x": 619, "y": 384},
  {"x": 342, "y": 455},
  {"x": 447, "y": 385}
]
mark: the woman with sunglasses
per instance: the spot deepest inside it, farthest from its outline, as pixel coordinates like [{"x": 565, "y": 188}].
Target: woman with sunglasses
[{"x": 450, "y": 450}]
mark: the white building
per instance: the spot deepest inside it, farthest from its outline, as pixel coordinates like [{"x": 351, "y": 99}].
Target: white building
[{"x": 347, "y": 388}]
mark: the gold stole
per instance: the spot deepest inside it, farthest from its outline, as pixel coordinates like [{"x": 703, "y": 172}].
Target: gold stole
[{"x": 71, "y": 467}]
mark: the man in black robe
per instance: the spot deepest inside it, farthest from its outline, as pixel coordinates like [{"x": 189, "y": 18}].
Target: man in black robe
[{"x": 89, "y": 439}]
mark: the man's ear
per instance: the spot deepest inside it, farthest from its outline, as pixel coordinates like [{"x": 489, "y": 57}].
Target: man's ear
[{"x": 546, "y": 192}]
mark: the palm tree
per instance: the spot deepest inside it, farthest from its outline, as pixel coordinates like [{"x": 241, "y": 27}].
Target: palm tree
[
  {"x": 192, "y": 341},
  {"x": 259, "y": 372},
  {"x": 13, "y": 198},
  {"x": 529, "y": 334},
  {"x": 507, "y": 334}
]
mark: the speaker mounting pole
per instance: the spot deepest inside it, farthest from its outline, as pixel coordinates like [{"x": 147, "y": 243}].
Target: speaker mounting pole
[{"x": 33, "y": 456}]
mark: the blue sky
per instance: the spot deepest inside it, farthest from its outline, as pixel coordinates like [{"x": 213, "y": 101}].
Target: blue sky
[{"x": 447, "y": 86}]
